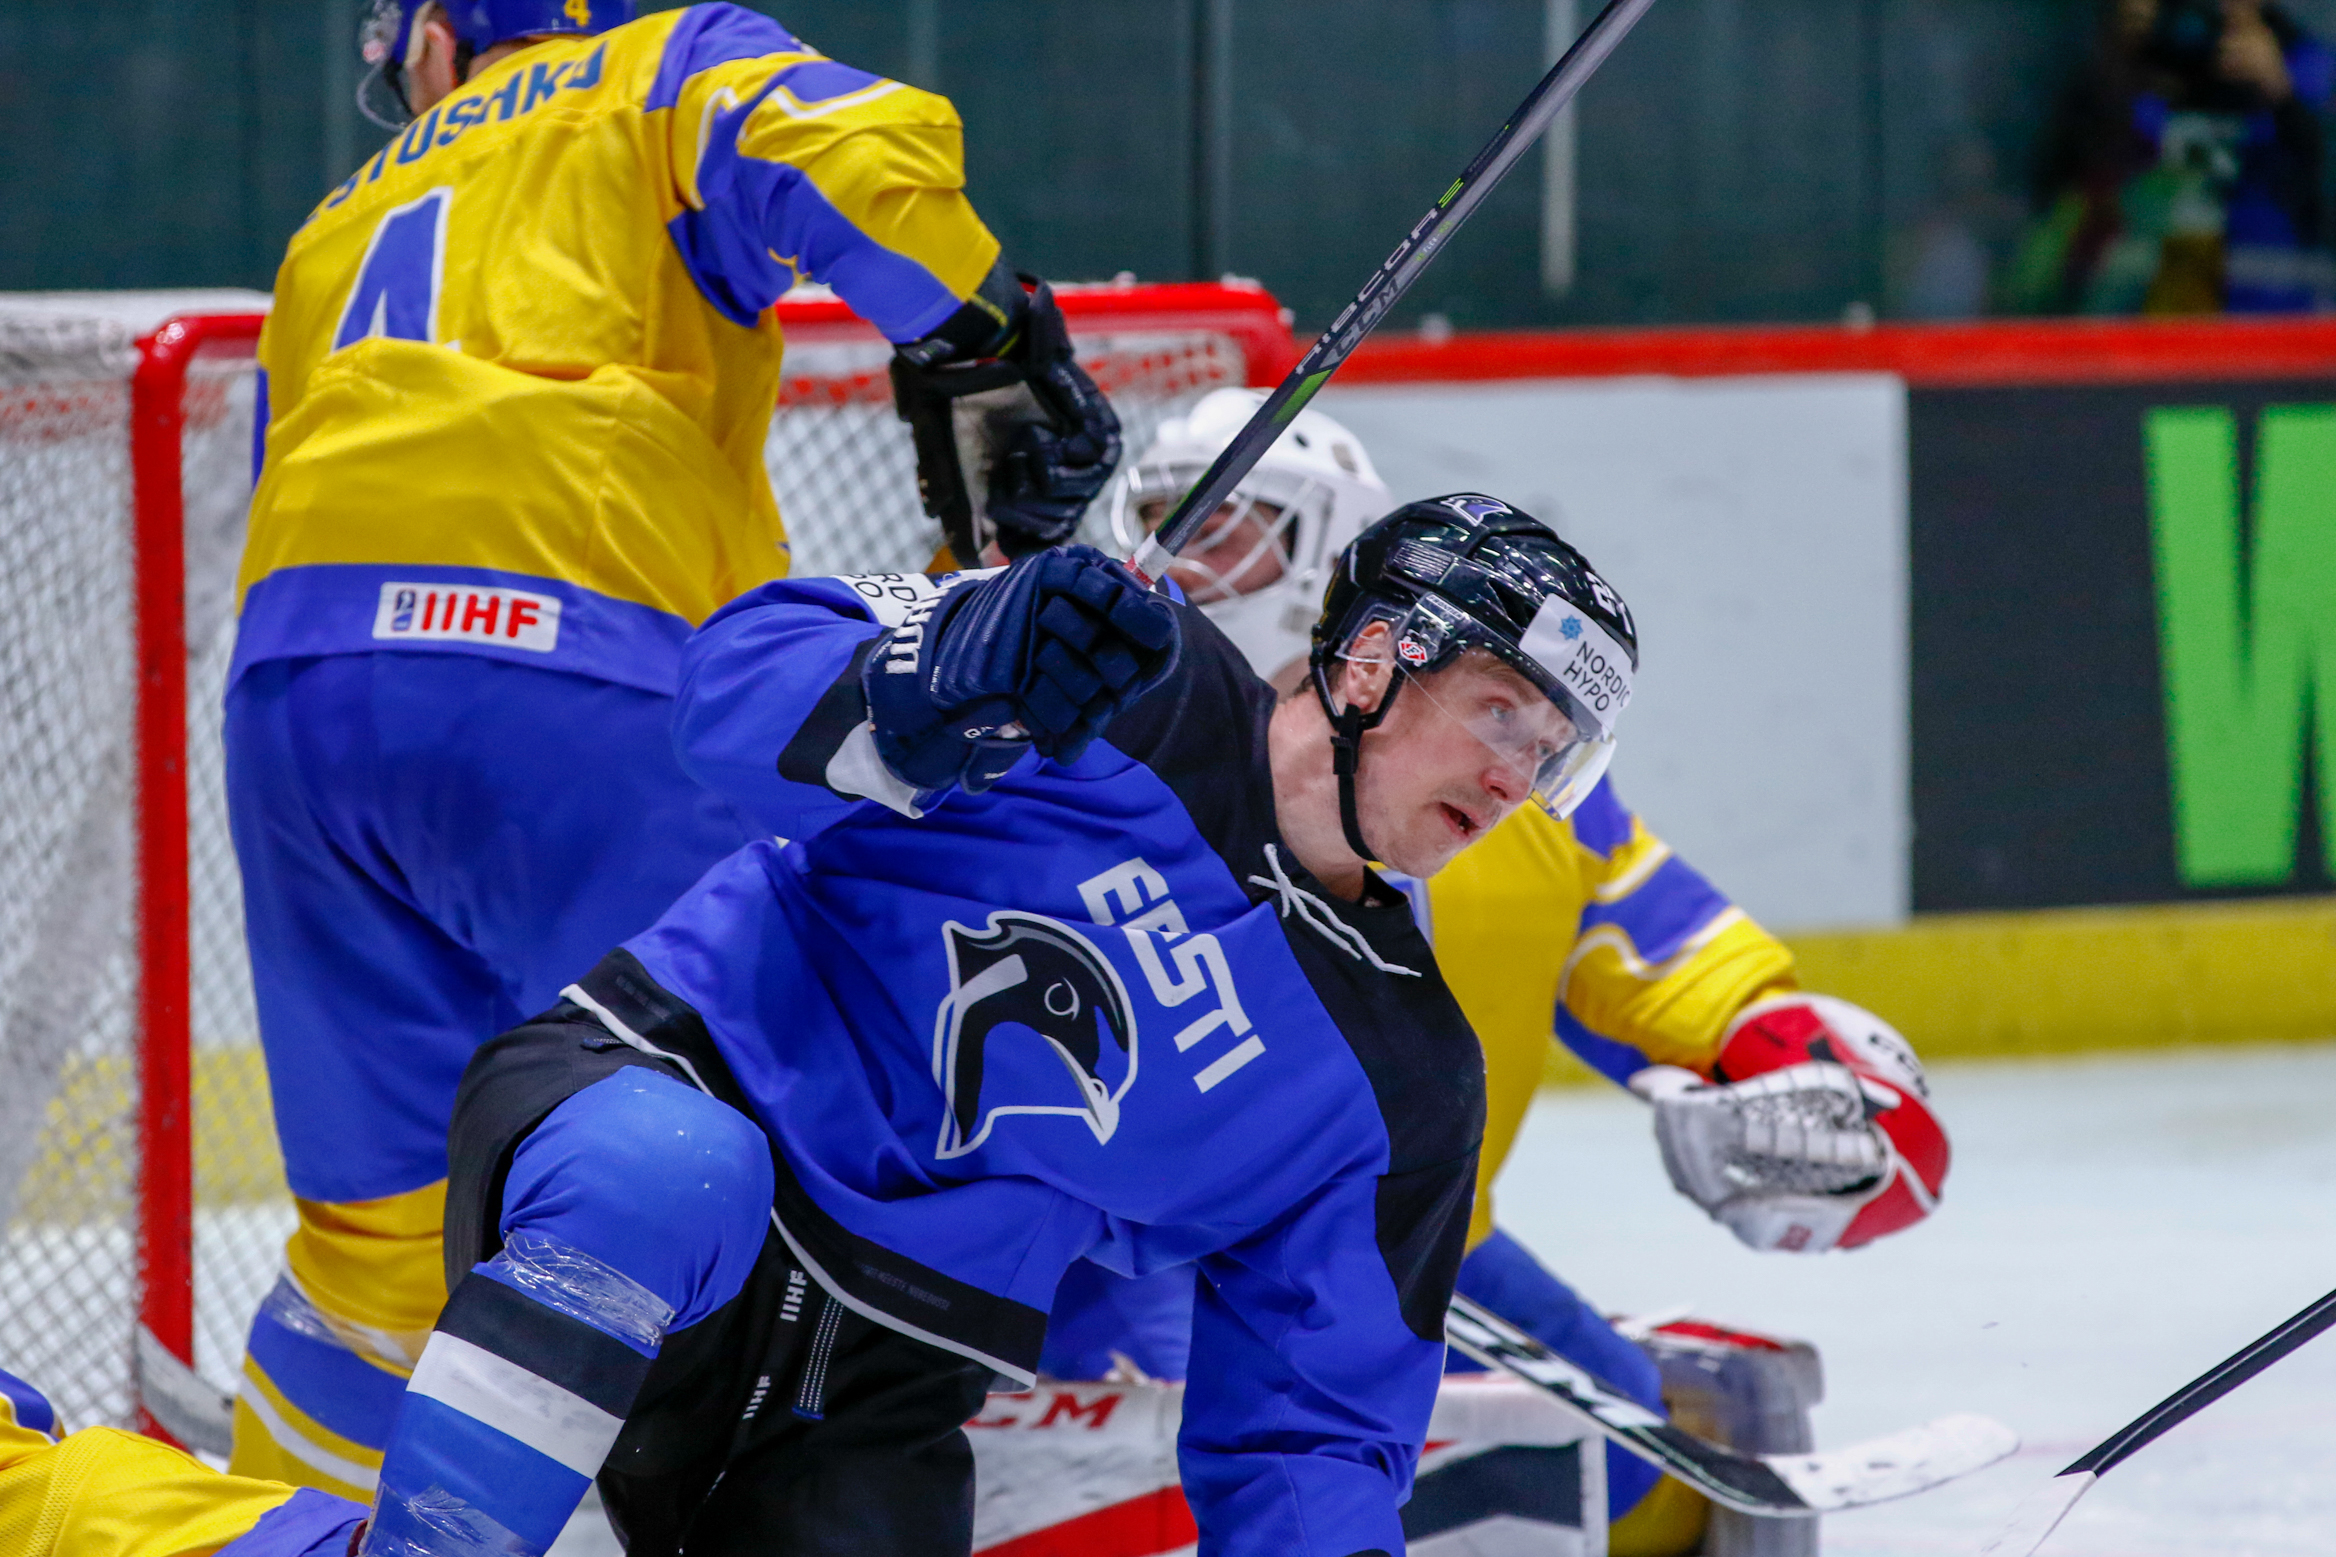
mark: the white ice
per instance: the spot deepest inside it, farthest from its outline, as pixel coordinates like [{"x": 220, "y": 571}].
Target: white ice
[{"x": 2112, "y": 1227}]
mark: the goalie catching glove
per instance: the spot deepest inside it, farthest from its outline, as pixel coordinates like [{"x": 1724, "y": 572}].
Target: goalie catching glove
[
  {"x": 1814, "y": 1132},
  {"x": 1038, "y": 656},
  {"x": 1013, "y": 439}
]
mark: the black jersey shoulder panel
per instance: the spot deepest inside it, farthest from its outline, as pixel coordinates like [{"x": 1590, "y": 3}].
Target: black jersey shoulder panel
[{"x": 1203, "y": 734}]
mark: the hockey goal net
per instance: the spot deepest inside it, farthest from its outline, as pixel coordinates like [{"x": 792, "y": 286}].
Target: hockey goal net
[{"x": 142, "y": 1202}]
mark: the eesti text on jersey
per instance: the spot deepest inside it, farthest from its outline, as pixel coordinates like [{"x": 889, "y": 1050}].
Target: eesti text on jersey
[{"x": 1097, "y": 1010}]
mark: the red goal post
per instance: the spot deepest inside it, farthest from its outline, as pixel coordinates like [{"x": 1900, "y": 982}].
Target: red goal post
[
  {"x": 165, "y": 1234},
  {"x": 142, "y": 1209}
]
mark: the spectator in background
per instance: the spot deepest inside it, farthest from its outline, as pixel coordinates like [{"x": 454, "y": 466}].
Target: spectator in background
[
  {"x": 1944, "y": 263},
  {"x": 2184, "y": 176}
]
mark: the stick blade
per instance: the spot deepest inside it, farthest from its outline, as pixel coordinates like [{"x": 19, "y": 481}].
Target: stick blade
[
  {"x": 2039, "y": 1514},
  {"x": 1895, "y": 1466}
]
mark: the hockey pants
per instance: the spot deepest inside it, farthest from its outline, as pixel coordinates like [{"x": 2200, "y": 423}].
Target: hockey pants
[
  {"x": 631, "y": 1314},
  {"x": 431, "y": 846}
]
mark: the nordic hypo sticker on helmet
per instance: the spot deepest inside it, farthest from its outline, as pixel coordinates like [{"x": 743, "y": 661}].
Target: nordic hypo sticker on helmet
[{"x": 1588, "y": 662}]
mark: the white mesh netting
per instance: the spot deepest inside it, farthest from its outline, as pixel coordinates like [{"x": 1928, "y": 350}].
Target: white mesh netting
[
  {"x": 68, "y": 1076},
  {"x": 845, "y": 477}
]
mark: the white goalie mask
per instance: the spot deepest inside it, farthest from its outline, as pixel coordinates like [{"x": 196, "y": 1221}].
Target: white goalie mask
[{"x": 1257, "y": 565}]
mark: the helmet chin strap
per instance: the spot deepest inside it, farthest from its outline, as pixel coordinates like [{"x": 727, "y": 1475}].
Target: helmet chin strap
[{"x": 1348, "y": 725}]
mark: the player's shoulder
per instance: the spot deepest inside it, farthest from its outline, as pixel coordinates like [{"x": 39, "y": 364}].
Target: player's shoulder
[
  {"x": 1602, "y": 824},
  {"x": 1202, "y": 732},
  {"x": 699, "y": 38}
]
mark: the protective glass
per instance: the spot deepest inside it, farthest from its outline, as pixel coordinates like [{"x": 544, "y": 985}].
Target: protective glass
[{"x": 382, "y": 42}]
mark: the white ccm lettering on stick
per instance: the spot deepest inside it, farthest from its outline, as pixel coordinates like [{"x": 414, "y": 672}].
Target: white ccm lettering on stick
[
  {"x": 462, "y": 613},
  {"x": 1133, "y": 887}
]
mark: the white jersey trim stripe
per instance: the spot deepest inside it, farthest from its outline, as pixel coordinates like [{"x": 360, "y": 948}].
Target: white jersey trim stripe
[
  {"x": 300, "y": 1446},
  {"x": 516, "y": 1403}
]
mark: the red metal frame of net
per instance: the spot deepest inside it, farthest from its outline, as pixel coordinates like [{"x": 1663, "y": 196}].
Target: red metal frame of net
[
  {"x": 1244, "y": 315},
  {"x": 166, "y": 1179}
]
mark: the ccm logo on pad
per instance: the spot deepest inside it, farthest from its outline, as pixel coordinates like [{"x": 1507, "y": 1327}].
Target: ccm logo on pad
[{"x": 463, "y": 614}]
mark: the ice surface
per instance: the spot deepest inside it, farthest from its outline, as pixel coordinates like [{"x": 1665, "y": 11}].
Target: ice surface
[{"x": 2111, "y": 1228}]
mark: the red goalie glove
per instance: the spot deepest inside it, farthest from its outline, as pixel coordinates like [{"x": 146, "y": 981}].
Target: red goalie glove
[{"x": 1814, "y": 1133}]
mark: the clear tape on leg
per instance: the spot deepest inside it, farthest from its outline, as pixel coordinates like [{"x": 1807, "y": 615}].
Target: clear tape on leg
[
  {"x": 436, "y": 1523},
  {"x": 289, "y": 1305},
  {"x": 569, "y": 1281}
]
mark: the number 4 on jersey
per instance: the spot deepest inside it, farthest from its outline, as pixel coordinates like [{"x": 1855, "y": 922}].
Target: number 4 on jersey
[{"x": 396, "y": 294}]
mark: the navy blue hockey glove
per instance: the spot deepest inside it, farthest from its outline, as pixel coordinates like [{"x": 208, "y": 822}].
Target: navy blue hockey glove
[
  {"x": 1039, "y": 657},
  {"x": 1050, "y": 471}
]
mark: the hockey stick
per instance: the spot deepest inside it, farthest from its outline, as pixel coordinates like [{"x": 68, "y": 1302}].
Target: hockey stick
[
  {"x": 2050, "y": 1503},
  {"x": 1388, "y": 283},
  {"x": 1773, "y": 1486}
]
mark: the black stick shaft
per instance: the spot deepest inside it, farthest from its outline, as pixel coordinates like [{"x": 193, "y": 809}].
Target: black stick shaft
[
  {"x": 1388, "y": 284},
  {"x": 2207, "y": 1388}
]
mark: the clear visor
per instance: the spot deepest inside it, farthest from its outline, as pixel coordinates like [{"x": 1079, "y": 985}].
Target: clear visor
[
  {"x": 1554, "y": 751},
  {"x": 377, "y": 37}
]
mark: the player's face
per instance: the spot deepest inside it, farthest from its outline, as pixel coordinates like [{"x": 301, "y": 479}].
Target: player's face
[
  {"x": 1240, "y": 549},
  {"x": 1455, "y": 755}
]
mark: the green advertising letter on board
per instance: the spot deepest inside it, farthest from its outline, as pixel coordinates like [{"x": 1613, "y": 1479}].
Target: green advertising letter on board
[{"x": 2248, "y": 645}]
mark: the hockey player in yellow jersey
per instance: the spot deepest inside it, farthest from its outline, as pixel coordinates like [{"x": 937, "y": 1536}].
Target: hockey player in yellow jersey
[
  {"x": 1585, "y": 928},
  {"x": 102, "y": 1492},
  {"x": 516, "y": 388}
]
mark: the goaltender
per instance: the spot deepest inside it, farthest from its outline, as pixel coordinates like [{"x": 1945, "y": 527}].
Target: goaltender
[{"x": 517, "y": 385}]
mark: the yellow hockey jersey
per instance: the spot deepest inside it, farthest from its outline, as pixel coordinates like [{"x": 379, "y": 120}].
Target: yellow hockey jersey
[
  {"x": 1593, "y": 929},
  {"x": 522, "y": 363},
  {"x": 104, "y": 1493}
]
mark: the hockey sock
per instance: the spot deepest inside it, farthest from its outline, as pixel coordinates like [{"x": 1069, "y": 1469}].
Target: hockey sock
[
  {"x": 635, "y": 1207},
  {"x": 516, "y": 1402}
]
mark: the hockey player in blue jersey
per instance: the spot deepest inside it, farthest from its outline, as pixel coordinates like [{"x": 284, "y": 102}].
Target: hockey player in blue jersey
[
  {"x": 749, "y": 1222},
  {"x": 1586, "y": 929}
]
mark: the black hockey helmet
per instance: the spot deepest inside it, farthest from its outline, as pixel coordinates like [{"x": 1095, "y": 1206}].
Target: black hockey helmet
[{"x": 1470, "y": 572}]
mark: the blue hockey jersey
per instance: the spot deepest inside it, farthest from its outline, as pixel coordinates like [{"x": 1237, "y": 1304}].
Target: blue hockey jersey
[{"x": 1098, "y": 1010}]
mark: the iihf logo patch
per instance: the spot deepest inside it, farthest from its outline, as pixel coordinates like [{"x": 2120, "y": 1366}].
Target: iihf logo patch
[
  {"x": 1410, "y": 651},
  {"x": 468, "y": 613},
  {"x": 1030, "y": 999}
]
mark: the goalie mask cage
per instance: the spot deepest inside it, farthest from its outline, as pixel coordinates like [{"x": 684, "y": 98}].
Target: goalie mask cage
[{"x": 142, "y": 1200}]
